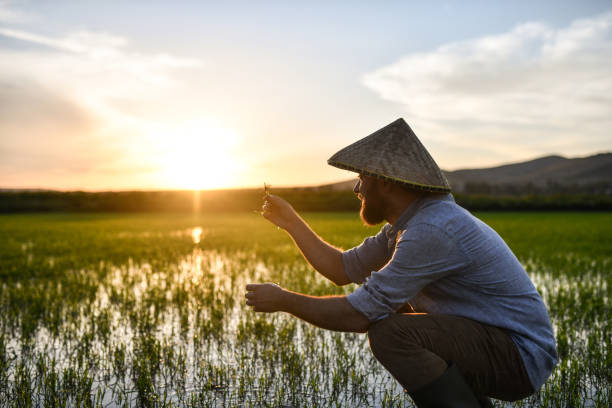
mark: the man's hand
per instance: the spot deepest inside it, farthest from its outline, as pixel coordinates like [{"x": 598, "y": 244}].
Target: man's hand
[
  {"x": 279, "y": 211},
  {"x": 327, "y": 312},
  {"x": 326, "y": 259},
  {"x": 264, "y": 297}
]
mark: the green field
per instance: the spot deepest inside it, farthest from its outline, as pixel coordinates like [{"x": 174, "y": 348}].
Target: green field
[{"x": 127, "y": 310}]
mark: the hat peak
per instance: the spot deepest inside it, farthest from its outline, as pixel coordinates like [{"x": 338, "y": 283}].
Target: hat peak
[{"x": 395, "y": 153}]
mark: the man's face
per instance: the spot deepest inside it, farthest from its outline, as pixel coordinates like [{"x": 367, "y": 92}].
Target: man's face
[{"x": 372, "y": 203}]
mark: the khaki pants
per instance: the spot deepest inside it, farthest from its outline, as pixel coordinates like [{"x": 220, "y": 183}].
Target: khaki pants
[{"x": 416, "y": 347}]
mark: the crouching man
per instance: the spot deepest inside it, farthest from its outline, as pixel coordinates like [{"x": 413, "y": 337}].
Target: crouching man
[{"x": 448, "y": 308}]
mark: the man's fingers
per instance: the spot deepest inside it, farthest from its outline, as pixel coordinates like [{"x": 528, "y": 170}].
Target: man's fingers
[
  {"x": 268, "y": 204},
  {"x": 254, "y": 306},
  {"x": 250, "y": 295},
  {"x": 260, "y": 297}
]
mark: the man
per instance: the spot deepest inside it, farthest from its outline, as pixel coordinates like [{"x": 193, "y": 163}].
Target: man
[{"x": 477, "y": 327}]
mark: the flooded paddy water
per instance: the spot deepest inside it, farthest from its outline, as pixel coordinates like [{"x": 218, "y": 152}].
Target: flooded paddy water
[{"x": 148, "y": 310}]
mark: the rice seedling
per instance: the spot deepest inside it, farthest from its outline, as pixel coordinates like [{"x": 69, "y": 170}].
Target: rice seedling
[{"x": 140, "y": 310}]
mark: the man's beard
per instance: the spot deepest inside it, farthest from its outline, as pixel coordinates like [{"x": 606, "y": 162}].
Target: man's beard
[{"x": 372, "y": 213}]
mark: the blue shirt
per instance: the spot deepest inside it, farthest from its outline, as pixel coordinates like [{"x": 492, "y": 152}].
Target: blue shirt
[{"x": 443, "y": 260}]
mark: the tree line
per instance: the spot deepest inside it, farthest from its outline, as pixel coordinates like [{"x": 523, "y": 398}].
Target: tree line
[{"x": 303, "y": 199}]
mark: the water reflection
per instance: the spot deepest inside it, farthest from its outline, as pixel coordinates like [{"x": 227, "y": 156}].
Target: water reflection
[
  {"x": 183, "y": 329},
  {"x": 196, "y": 235}
]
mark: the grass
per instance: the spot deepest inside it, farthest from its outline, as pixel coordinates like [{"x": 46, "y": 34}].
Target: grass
[{"x": 126, "y": 310}]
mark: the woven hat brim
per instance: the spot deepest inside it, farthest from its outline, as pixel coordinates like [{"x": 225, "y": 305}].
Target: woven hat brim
[
  {"x": 409, "y": 184},
  {"x": 396, "y": 154}
]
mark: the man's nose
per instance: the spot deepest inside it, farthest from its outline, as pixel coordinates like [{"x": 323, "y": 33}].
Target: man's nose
[{"x": 356, "y": 188}]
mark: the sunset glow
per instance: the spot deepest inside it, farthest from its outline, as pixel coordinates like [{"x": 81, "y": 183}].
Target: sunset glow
[
  {"x": 196, "y": 155},
  {"x": 208, "y": 95}
]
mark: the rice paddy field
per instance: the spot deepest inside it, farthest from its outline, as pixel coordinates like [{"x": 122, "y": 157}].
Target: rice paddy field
[{"x": 148, "y": 310}]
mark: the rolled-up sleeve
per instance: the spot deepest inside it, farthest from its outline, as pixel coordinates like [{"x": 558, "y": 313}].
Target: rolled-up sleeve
[
  {"x": 424, "y": 253},
  {"x": 371, "y": 255}
]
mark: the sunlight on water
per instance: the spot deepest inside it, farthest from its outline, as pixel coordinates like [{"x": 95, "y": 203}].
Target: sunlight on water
[
  {"x": 184, "y": 327},
  {"x": 196, "y": 235}
]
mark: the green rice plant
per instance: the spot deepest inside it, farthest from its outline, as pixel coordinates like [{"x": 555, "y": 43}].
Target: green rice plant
[{"x": 129, "y": 310}]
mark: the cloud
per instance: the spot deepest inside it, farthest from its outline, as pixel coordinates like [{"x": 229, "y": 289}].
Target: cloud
[
  {"x": 78, "y": 103},
  {"x": 98, "y": 63},
  {"x": 48, "y": 125},
  {"x": 9, "y": 15},
  {"x": 529, "y": 91},
  {"x": 101, "y": 44}
]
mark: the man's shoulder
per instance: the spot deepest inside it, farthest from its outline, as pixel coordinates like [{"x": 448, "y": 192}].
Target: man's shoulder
[
  {"x": 380, "y": 236},
  {"x": 442, "y": 213}
]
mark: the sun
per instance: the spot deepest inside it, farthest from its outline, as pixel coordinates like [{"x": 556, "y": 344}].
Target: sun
[{"x": 199, "y": 155}]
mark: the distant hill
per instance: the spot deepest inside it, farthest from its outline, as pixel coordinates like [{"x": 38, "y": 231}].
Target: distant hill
[
  {"x": 591, "y": 174},
  {"x": 542, "y": 173}
]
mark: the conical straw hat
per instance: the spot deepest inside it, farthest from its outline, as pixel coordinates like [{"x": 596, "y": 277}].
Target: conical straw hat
[{"x": 393, "y": 153}]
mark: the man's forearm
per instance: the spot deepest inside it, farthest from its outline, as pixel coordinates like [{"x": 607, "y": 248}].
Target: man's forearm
[
  {"x": 331, "y": 312},
  {"x": 326, "y": 259}
]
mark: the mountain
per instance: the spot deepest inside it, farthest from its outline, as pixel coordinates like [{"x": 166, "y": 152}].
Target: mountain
[{"x": 544, "y": 174}]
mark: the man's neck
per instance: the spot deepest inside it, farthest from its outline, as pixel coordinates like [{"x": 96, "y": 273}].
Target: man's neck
[{"x": 397, "y": 204}]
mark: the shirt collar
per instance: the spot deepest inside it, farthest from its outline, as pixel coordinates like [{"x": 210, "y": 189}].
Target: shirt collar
[{"x": 400, "y": 224}]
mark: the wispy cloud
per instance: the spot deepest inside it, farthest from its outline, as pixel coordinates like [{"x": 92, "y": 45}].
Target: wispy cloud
[
  {"x": 95, "y": 44},
  {"x": 525, "y": 92},
  {"x": 89, "y": 56},
  {"x": 9, "y": 14},
  {"x": 79, "y": 99}
]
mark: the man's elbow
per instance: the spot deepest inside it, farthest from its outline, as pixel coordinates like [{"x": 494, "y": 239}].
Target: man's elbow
[
  {"x": 354, "y": 327},
  {"x": 363, "y": 328},
  {"x": 354, "y": 320},
  {"x": 360, "y": 323},
  {"x": 341, "y": 280},
  {"x": 341, "y": 277},
  {"x": 337, "y": 272}
]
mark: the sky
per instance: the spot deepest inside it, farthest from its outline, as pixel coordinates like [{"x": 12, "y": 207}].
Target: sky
[{"x": 119, "y": 95}]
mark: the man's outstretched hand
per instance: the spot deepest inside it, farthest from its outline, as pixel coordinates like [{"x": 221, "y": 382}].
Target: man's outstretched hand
[
  {"x": 279, "y": 212},
  {"x": 264, "y": 297}
]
